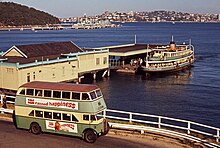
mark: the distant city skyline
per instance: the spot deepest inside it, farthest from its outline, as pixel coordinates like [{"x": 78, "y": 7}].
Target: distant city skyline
[{"x": 74, "y": 8}]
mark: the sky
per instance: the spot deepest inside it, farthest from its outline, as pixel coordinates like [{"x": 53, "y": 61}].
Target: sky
[{"x": 74, "y": 8}]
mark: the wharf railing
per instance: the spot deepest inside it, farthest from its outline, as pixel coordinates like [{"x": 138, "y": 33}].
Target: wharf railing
[
  {"x": 153, "y": 123},
  {"x": 166, "y": 125}
]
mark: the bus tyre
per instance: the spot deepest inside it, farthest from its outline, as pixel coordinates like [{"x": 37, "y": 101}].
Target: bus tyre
[
  {"x": 35, "y": 128},
  {"x": 90, "y": 136}
]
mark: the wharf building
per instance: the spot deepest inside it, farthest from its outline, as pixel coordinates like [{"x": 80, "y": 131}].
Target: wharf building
[{"x": 51, "y": 62}]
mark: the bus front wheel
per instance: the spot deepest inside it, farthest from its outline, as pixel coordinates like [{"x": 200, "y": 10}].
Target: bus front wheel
[
  {"x": 35, "y": 128},
  {"x": 90, "y": 136}
]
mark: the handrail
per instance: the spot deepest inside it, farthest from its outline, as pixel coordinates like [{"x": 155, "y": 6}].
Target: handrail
[{"x": 160, "y": 121}]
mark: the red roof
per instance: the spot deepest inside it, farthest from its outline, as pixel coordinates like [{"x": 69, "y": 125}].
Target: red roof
[
  {"x": 48, "y": 49},
  {"x": 60, "y": 86}
]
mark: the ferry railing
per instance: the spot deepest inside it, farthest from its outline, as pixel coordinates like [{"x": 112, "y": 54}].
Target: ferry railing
[{"x": 184, "y": 126}]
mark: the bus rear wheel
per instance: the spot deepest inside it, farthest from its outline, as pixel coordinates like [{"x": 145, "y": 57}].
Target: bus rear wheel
[
  {"x": 90, "y": 136},
  {"x": 35, "y": 128}
]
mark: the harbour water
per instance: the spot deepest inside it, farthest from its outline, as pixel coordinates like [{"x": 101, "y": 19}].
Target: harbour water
[{"x": 192, "y": 95}]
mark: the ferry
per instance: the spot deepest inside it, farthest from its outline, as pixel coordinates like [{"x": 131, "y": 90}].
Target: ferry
[{"x": 171, "y": 58}]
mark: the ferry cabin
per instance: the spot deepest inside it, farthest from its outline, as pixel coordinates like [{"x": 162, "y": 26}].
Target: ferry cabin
[
  {"x": 62, "y": 108},
  {"x": 166, "y": 59}
]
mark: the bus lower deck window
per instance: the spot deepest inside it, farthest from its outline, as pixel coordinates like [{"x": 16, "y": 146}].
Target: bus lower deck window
[
  {"x": 66, "y": 117},
  {"x": 38, "y": 113},
  {"x": 31, "y": 113},
  {"x": 86, "y": 117},
  {"x": 74, "y": 118},
  {"x": 56, "y": 116},
  {"x": 47, "y": 115}
]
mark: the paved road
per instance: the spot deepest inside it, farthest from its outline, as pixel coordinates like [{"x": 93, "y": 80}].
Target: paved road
[{"x": 10, "y": 137}]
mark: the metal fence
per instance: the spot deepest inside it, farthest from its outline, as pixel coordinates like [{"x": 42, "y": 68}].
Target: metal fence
[
  {"x": 156, "y": 123},
  {"x": 159, "y": 124}
]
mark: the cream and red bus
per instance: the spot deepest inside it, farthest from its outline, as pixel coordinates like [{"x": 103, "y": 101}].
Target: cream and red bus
[{"x": 62, "y": 108}]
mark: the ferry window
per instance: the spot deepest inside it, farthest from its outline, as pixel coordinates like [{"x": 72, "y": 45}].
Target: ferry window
[
  {"x": 31, "y": 113},
  {"x": 85, "y": 96},
  {"x": 74, "y": 118},
  {"x": 47, "y": 93},
  {"x": 66, "y": 117},
  {"x": 93, "y": 96},
  {"x": 47, "y": 115},
  {"x": 30, "y": 92},
  {"x": 98, "y": 93},
  {"x": 86, "y": 117},
  {"x": 38, "y": 92},
  {"x": 66, "y": 95},
  {"x": 22, "y": 92},
  {"x": 56, "y": 94},
  {"x": 56, "y": 116},
  {"x": 76, "y": 96},
  {"x": 38, "y": 113}
]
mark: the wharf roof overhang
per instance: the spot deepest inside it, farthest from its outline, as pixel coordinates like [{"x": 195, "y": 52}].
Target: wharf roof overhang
[
  {"x": 129, "y": 49},
  {"x": 129, "y": 53}
]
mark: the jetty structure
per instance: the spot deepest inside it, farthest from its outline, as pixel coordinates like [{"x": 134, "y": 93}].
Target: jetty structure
[{"x": 51, "y": 62}]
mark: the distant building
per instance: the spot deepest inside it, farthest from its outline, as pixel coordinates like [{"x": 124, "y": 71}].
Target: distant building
[
  {"x": 52, "y": 62},
  {"x": 218, "y": 17}
]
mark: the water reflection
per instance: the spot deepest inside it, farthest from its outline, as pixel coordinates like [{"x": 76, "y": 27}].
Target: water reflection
[{"x": 160, "y": 95}]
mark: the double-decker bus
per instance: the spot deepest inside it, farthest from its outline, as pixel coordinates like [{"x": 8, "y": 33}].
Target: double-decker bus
[{"x": 62, "y": 108}]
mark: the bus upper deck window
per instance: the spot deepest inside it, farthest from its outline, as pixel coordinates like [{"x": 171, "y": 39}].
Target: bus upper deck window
[
  {"x": 38, "y": 92},
  {"x": 56, "y": 94},
  {"x": 85, "y": 96},
  {"x": 66, "y": 95},
  {"x": 30, "y": 92},
  {"x": 22, "y": 92},
  {"x": 98, "y": 93},
  {"x": 47, "y": 93},
  {"x": 93, "y": 95},
  {"x": 75, "y": 95}
]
